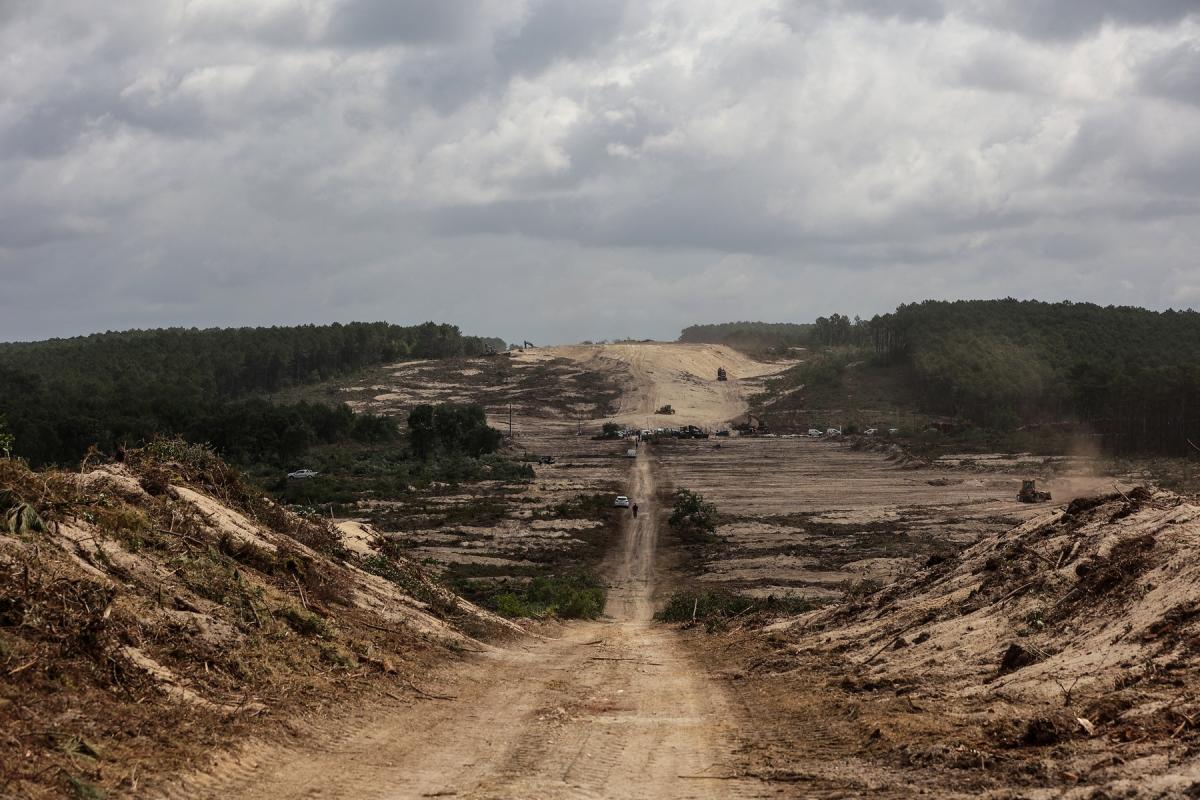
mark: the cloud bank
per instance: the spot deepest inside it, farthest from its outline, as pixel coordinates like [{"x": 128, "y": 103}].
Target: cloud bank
[{"x": 567, "y": 169}]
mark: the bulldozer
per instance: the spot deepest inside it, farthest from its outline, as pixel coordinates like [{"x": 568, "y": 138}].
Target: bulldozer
[
  {"x": 721, "y": 374},
  {"x": 1029, "y": 493}
]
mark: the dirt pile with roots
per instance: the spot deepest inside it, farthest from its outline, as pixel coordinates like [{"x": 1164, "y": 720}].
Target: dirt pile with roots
[
  {"x": 1071, "y": 642},
  {"x": 155, "y": 609}
]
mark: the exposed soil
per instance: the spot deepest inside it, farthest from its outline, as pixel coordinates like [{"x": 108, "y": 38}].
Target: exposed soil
[
  {"x": 803, "y": 516},
  {"x": 972, "y": 645}
]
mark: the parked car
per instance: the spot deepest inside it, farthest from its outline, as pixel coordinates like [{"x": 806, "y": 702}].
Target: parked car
[
  {"x": 301, "y": 474},
  {"x": 832, "y": 432},
  {"x": 871, "y": 431},
  {"x": 815, "y": 433},
  {"x": 621, "y": 502},
  {"x": 546, "y": 460},
  {"x": 893, "y": 431}
]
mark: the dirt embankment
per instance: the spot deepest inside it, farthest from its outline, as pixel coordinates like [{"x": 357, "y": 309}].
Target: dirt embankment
[
  {"x": 154, "y": 610},
  {"x": 1057, "y": 658}
]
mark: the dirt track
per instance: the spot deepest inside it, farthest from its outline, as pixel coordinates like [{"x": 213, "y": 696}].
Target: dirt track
[{"x": 613, "y": 708}]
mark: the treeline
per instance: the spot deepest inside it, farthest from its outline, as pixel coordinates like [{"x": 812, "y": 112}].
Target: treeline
[
  {"x": 777, "y": 337},
  {"x": 112, "y": 389},
  {"x": 750, "y": 337},
  {"x": 1129, "y": 374}
]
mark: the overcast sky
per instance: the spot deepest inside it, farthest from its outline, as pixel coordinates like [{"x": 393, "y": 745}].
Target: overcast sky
[{"x": 566, "y": 169}]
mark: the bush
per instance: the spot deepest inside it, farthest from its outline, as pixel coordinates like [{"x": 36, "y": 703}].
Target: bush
[
  {"x": 692, "y": 517},
  {"x": 565, "y": 597},
  {"x": 304, "y": 623},
  {"x": 610, "y": 430}
]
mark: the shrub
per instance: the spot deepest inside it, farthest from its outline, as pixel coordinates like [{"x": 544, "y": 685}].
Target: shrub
[
  {"x": 715, "y": 609},
  {"x": 692, "y": 517},
  {"x": 304, "y": 623},
  {"x": 565, "y": 597}
]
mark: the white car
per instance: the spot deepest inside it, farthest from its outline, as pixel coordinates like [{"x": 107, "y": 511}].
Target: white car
[
  {"x": 871, "y": 431},
  {"x": 814, "y": 433},
  {"x": 621, "y": 502},
  {"x": 301, "y": 474},
  {"x": 833, "y": 432}
]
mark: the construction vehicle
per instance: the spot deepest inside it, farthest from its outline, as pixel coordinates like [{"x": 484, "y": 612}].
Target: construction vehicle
[
  {"x": 1029, "y": 493},
  {"x": 722, "y": 375},
  {"x": 750, "y": 425},
  {"x": 667, "y": 409}
]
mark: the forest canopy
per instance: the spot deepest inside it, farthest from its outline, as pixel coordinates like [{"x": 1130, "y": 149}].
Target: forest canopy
[
  {"x": 1129, "y": 374},
  {"x": 112, "y": 389},
  {"x": 750, "y": 336}
]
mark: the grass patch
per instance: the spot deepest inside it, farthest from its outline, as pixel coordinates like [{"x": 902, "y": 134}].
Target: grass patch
[
  {"x": 304, "y": 623},
  {"x": 715, "y": 609},
  {"x": 349, "y": 473}
]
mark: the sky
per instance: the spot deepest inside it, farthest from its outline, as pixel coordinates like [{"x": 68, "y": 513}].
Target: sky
[{"x": 560, "y": 170}]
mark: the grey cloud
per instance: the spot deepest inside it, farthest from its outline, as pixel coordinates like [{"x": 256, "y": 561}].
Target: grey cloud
[
  {"x": 372, "y": 23},
  {"x": 1071, "y": 19},
  {"x": 559, "y": 29},
  {"x": 237, "y": 165},
  {"x": 924, "y": 10},
  {"x": 1000, "y": 71},
  {"x": 27, "y": 226},
  {"x": 1174, "y": 73}
]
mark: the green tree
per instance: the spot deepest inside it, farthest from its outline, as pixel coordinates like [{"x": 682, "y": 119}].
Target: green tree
[
  {"x": 422, "y": 433},
  {"x": 6, "y": 438},
  {"x": 692, "y": 516}
]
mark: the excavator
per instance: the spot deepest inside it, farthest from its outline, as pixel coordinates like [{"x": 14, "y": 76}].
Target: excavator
[{"x": 721, "y": 374}]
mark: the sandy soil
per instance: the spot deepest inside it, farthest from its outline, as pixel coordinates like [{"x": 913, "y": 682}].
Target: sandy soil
[
  {"x": 614, "y": 708},
  {"x": 802, "y": 516},
  {"x": 627, "y": 708},
  {"x": 683, "y": 376}
]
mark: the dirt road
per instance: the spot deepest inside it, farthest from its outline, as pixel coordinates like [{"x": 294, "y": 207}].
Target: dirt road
[
  {"x": 612, "y": 708},
  {"x": 669, "y": 373}
]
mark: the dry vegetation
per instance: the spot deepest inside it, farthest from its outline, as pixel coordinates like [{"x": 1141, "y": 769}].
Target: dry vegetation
[
  {"x": 152, "y": 610},
  {"x": 1056, "y": 658}
]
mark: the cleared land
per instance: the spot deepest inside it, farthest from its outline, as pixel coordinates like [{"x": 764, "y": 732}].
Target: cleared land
[{"x": 911, "y": 688}]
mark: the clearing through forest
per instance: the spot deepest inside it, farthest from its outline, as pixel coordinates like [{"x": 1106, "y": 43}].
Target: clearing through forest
[{"x": 625, "y": 707}]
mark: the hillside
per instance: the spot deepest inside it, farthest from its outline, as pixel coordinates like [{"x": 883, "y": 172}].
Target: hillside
[
  {"x": 1060, "y": 656},
  {"x": 1127, "y": 374},
  {"x": 1006, "y": 373},
  {"x": 156, "y": 609}
]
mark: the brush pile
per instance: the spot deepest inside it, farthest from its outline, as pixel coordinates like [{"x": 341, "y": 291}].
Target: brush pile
[{"x": 156, "y": 608}]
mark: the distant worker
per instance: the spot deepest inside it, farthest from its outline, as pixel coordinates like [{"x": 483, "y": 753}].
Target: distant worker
[{"x": 635, "y": 510}]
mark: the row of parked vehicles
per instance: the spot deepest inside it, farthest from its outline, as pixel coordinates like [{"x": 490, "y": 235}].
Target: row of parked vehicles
[{"x": 684, "y": 432}]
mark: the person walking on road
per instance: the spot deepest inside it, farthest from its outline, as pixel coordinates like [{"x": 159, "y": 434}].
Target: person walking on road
[{"x": 635, "y": 510}]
